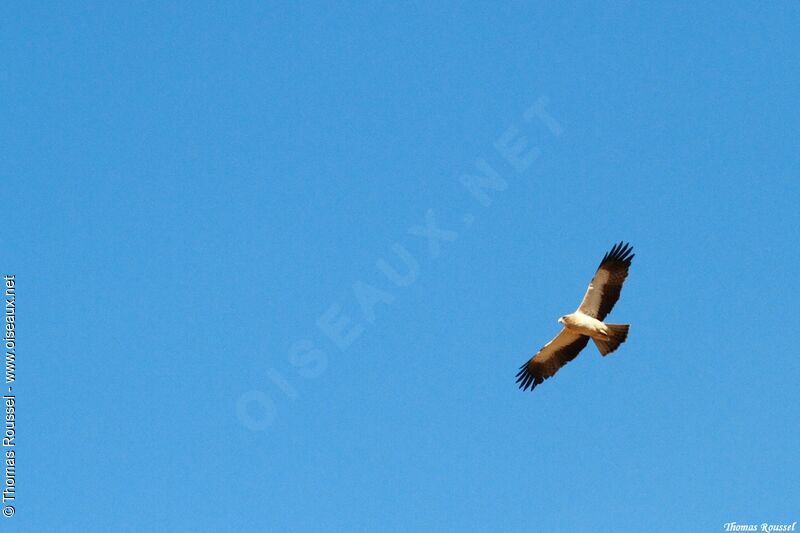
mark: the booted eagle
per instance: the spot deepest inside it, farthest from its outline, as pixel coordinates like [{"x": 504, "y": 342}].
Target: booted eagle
[{"x": 585, "y": 323}]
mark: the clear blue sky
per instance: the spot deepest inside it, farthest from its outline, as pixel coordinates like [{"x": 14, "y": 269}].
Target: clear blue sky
[{"x": 190, "y": 189}]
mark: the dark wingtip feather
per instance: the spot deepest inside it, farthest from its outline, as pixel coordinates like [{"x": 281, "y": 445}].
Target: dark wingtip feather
[
  {"x": 526, "y": 380},
  {"x": 619, "y": 252}
]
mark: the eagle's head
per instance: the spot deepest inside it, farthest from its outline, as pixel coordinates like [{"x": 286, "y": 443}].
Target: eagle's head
[{"x": 561, "y": 320}]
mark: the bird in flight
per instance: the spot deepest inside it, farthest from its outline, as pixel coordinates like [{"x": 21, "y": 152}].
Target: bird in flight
[{"x": 585, "y": 323}]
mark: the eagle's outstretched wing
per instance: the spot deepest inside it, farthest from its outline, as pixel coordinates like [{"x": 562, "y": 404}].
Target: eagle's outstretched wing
[
  {"x": 603, "y": 291},
  {"x": 553, "y": 355}
]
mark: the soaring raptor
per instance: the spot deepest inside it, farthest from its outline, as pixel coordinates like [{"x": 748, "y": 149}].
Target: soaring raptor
[{"x": 585, "y": 323}]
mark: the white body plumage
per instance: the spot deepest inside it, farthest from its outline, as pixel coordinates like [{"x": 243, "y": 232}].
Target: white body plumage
[{"x": 585, "y": 325}]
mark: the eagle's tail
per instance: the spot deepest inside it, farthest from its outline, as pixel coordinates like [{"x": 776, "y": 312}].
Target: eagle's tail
[{"x": 617, "y": 333}]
